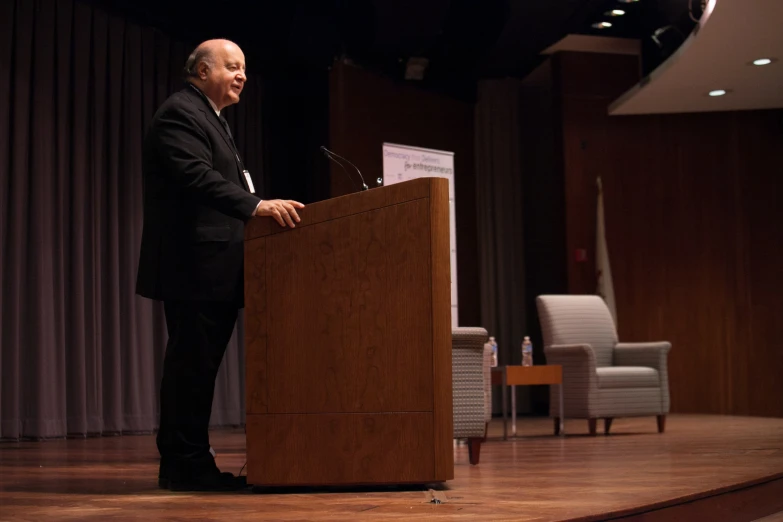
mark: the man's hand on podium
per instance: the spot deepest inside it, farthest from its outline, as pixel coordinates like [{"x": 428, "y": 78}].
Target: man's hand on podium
[{"x": 283, "y": 210}]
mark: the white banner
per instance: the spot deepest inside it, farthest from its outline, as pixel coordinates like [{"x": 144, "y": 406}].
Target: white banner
[{"x": 403, "y": 163}]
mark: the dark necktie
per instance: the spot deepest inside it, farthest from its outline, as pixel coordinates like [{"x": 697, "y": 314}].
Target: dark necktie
[
  {"x": 228, "y": 131},
  {"x": 236, "y": 150}
]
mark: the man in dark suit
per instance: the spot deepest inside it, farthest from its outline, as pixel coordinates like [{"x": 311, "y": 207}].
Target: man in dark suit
[{"x": 197, "y": 197}]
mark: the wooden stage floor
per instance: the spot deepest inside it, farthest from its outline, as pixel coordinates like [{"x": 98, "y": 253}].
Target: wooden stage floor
[{"x": 702, "y": 468}]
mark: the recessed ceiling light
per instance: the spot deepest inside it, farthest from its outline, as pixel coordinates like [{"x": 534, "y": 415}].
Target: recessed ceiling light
[
  {"x": 602, "y": 25},
  {"x": 718, "y": 92},
  {"x": 627, "y": 1},
  {"x": 763, "y": 61},
  {"x": 615, "y": 12}
]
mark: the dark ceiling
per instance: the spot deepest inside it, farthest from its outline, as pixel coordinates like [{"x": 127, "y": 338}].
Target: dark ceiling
[
  {"x": 463, "y": 39},
  {"x": 294, "y": 42}
]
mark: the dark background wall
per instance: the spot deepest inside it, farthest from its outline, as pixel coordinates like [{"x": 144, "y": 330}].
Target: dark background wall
[
  {"x": 367, "y": 110},
  {"x": 295, "y": 109},
  {"x": 692, "y": 206},
  {"x": 691, "y": 209},
  {"x": 693, "y": 203}
]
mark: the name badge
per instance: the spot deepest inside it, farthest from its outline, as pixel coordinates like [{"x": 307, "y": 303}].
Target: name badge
[{"x": 249, "y": 181}]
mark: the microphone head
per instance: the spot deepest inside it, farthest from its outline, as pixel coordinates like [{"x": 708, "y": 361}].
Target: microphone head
[{"x": 323, "y": 149}]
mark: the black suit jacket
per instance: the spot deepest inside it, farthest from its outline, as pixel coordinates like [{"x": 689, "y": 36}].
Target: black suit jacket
[{"x": 195, "y": 205}]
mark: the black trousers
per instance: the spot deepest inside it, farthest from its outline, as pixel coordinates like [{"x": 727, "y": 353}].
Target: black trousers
[{"x": 198, "y": 335}]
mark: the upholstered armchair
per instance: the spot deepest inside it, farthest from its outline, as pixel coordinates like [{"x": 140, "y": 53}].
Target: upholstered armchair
[
  {"x": 471, "y": 387},
  {"x": 602, "y": 378}
]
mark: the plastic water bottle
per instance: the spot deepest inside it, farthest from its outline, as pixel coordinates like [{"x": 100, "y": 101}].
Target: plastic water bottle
[
  {"x": 527, "y": 352},
  {"x": 488, "y": 345},
  {"x": 494, "y": 346}
]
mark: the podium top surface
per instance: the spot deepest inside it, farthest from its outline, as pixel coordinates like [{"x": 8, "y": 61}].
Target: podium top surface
[{"x": 348, "y": 205}]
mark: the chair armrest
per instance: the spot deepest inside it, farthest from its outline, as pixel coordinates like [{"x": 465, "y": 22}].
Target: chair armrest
[
  {"x": 580, "y": 355},
  {"x": 470, "y": 381},
  {"x": 651, "y": 355},
  {"x": 487, "y": 382},
  {"x": 467, "y": 348},
  {"x": 580, "y": 379}
]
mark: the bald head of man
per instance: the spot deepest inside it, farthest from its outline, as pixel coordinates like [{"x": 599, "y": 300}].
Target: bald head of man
[{"x": 217, "y": 67}]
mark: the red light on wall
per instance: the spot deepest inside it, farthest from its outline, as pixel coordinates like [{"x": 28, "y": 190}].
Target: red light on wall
[{"x": 580, "y": 255}]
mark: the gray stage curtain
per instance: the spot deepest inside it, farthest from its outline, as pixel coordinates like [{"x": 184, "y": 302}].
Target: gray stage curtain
[
  {"x": 80, "y": 353},
  {"x": 500, "y": 224}
]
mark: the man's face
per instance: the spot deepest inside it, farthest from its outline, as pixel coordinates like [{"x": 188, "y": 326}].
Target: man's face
[{"x": 225, "y": 80}]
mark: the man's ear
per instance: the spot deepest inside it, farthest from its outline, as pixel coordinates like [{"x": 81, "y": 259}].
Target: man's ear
[{"x": 203, "y": 70}]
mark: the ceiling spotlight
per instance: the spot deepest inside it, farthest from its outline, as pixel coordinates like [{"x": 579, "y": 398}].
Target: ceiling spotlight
[
  {"x": 718, "y": 92},
  {"x": 602, "y": 25},
  {"x": 763, "y": 61},
  {"x": 627, "y": 1},
  {"x": 615, "y": 12}
]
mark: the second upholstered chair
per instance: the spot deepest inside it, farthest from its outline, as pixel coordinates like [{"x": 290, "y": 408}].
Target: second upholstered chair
[{"x": 602, "y": 378}]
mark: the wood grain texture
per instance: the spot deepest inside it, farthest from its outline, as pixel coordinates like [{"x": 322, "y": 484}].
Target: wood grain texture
[
  {"x": 343, "y": 206},
  {"x": 350, "y": 314},
  {"x": 692, "y": 206},
  {"x": 410, "y": 333},
  {"x": 775, "y": 517},
  {"x": 441, "y": 329},
  {"x": 357, "y": 321},
  {"x": 332, "y": 449},
  {"x": 256, "y": 321},
  {"x": 532, "y": 375},
  {"x": 735, "y": 504},
  {"x": 701, "y": 461}
]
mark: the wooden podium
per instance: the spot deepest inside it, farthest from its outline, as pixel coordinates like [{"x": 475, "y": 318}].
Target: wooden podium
[{"x": 348, "y": 341}]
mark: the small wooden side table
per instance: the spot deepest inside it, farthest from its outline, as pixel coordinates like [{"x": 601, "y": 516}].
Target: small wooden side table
[{"x": 514, "y": 376}]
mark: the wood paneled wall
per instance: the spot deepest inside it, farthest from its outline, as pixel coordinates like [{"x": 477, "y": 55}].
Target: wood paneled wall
[
  {"x": 693, "y": 206},
  {"x": 367, "y": 110}
]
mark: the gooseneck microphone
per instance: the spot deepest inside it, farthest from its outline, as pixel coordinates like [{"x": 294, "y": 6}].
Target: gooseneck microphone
[{"x": 333, "y": 156}]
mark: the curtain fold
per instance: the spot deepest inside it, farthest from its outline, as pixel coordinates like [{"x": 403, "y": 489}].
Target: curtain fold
[
  {"x": 500, "y": 221},
  {"x": 80, "y": 353}
]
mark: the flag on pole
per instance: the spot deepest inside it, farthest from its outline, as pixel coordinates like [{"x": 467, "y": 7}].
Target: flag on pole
[{"x": 603, "y": 268}]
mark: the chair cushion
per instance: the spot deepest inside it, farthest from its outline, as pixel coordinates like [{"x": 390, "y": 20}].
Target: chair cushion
[{"x": 628, "y": 377}]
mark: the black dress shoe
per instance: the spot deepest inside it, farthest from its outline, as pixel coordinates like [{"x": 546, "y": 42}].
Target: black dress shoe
[
  {"x": 207, "y": 482},
  {"x": 197, "y": 475}
]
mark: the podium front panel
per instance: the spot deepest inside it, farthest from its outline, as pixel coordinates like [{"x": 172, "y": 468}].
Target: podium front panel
[{"x": 348, "y": 364}]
